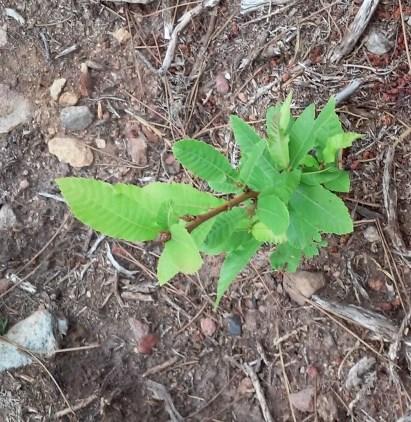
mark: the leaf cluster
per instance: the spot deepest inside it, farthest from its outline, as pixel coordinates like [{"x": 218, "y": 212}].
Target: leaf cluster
[{"x": 283, "y": 192}]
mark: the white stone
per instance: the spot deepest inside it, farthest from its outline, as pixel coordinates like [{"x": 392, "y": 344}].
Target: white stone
[
  {"x": 56, "y": 88},
  {"x": 71, "y": 150},
  {"x": 14, "y": 109}
]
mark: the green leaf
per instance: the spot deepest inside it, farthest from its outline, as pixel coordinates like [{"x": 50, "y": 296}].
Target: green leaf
[
  {"x": 341, "y": 183},
  {"x": 286, "y": 257},
  {"x": 200, "y": 233},
  {"x": 234, "y": 263},
  {"x": 262, "y": 233},
  {"x": 186, "y": 199},
  {"x": 322, "y": 209},
  {"x": 301, "y": 232},
  {"x": 284, "y": 185},
  {"x": 180, "y": 254},
  {"x": 273, "y": 213},
  {"x": 206, "y": 162},
  {"x": 166, "y": 215},
  {"x": 219, "y": 237},
  {"x": 327, "y": 124},
  {"x": 278, "y": 140},
  {"x": 301, "y": 136},
  {"x": 115, "y": 210},
  {"x": 245, "y": 136},
  {"x": 336, "y": 143},
  {"x": 310, "y": 162}
]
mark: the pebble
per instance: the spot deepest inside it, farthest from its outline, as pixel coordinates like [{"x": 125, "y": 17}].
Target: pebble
[
  {"x": 4, "y": 285},
  {"x": 147, "y": 344},
  {"x": 377, "y": 43},
  {"x": 371, "y": 234},
  {"x": 56, "y": 88},
  {"x": 35, "y": 333},
  {"x": 122, "y": 35},
  {"x": 100, "y": 143},
  {"x": 208, "y": 326},
  {"x": 14, "y": 109},
  {"x": 68, "y": 99},
  {"x": 3, "y": 36},
  {"x": 221, "y": 84},
  {"x": 172, "y": 165},
  {"x": 71, "y": 150},
  {"x": 302, "y": 284},
  {"x": 245, "y": 387},
  {"x": 234, "y": 327},
  {"x": 357, "y": 374},
  {"x": 24, "y": 184},
  {"x": 303, "y": 400},
  {"x": 136, "y": 146},
  {"x": 7, "y": 217},
  {"x": 76, "y": 117},
  {"x": 327, "y": 408}
]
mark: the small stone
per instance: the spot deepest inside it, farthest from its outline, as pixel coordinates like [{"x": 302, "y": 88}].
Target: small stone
[
  {"x": 303, "y": 400},
  {"x": 371, "y": 234},
  {"x": 76, "y": 117},
  {"x": 14, "y": 109},
  {"x": 409, "y": 21},
  {"x": 136, "y": 145},
  {"x": 251, "y": 320},
  {"x": 221, "y": 84},
  {"x": 122, "y": 35},
  {"x": 100, "y": 143},
  {"x": 68, "y": 99},
  {"x": 327, "y": 408},
  {"x": 147, "y": 344},
  {"x": 172, "y": 165},
  {"x": 245, "y": 388},
  {"x": 234, "y": 327},
  {"x": 24, "y": 184},
  {"x": 35, "y": 333},
  {"x": 138, "y": 329},
  {"x": 377, "y": 43},
  {"x": 4, "y": 285},
  {"x": 302, "y": 284},
  {"x": 56, "y": 88},
  {"x": 358, "y": 373},
  {"x": 71, "y": 150},
  {"x": 208, "y": 327},
  {"x": 3, "y": 36},
  {"x": 85, "y": 80},
  {"x": 7, "y": 217}
]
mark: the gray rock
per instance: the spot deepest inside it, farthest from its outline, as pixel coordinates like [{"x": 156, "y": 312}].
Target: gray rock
[
  {"x": 234, "y": 327},
  {"x": 358, "y": 374},
  {"x": 37, "y": 333},
  {"x": 302, "y": 284},
  {"x": 303, "y": 400},
  {"x": 76, "y": 117},
  {"x": 7, "y": 217},
  {"x": 371, "y": 234},
  {"x": 14, "y": 109},
  {"x": 377, "y": 43}
]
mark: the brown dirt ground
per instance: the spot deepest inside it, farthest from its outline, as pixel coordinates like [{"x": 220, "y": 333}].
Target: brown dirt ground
[{"x": 203, "y": 382}]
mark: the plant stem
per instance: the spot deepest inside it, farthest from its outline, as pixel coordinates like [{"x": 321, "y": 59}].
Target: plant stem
[{"x": 202, "y": 218}]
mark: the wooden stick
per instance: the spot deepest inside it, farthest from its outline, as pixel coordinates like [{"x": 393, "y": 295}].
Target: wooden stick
[{"x": 356, "y": 29}]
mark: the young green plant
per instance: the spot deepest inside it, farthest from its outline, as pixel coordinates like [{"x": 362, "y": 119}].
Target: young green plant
[{"x": 282, "y": 193}]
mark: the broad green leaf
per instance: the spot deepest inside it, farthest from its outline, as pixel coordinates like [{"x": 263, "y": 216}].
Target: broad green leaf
[
  {"x": 327, "y": 124},
  {"x": 166, "y": 215},
  {"x": 320, "y": 176},
  {"x": 336, "y": 143},
  {"x": 115, "y": 210},
  {"x": 284, "y": 185},
  {"x": 285, "y": 113},
  {"x": 234, "y": 263},
  {"x": 180, "y": 254},
  {"x": 262, "y": 233},
  {"x": 200, "y": 233},
  {"x": 341, "y": 183},
  {"x": 251, "y": 162},
  {"x": 245, "y": 135},
  {"x": 310, "y": 162},
  {"x": 223, "y": 228},
  {"x": 301, "y": 232},
  {"x": 301, "y": 136},
  {"x": 272, "y": 123},
  {"x": 286, "y": 257},
  {"x": 322, "y": 209},
  {"x": 278, "y": 143},
  {"x": 186, "y": 199},
  {"x": 206, "y": 162},
  {"x": 273, "y": 213}
]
